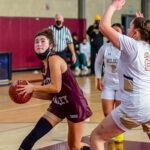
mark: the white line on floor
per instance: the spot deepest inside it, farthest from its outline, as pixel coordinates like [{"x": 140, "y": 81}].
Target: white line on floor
[
  {"x": 34, "y": 105},
  {"x": 29, "y": 106}
]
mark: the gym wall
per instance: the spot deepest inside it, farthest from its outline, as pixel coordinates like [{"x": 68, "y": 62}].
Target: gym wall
[
  {"x": 68, "y": 8},
  {"x": 21, "y": 19},
  {"x": 149, "y": 9}
]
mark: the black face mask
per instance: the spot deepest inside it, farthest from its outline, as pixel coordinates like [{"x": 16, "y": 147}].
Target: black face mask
[
  {"x": 58, "y": 22},
  {"x": 42, "y": 56},
  {"x": 97, "y": 24}
]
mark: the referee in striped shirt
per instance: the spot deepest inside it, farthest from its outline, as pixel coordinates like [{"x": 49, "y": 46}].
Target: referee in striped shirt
[{"x": 63, "y": 38}]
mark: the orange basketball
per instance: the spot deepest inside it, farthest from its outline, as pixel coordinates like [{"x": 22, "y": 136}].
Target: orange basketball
[{"x": 15, "y": 96}]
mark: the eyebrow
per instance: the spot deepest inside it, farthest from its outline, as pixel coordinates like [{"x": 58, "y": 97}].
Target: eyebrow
[{"x": 40, "y": 39}]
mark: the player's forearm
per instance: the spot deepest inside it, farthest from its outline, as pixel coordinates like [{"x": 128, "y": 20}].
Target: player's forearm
[
  {"x": 44, "y": 96},
  {"x": 98, "y": 65},
  {"x": 49, "y": 88},
  {"x": 106, "y": 21},
  {"x": 106, "y": 29},
  {"x": 98, "y": 70}
]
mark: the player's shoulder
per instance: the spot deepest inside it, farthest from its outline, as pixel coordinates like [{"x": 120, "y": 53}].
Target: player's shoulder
[
  {"x": 126, "y": 39},
  {"x": 106, "y": 45},
  {"x": 143, "y": 45},
  {"x": 55, "y": 60}
]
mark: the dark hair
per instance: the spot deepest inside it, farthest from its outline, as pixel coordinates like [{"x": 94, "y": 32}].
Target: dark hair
[
  {"x": 48, "y": 33},
  {"x": 120, "y": 26},
  {"x": 84, "y": 38},
  {"x": 144, "y": 28},
  {"x": 74, "y": 34}
]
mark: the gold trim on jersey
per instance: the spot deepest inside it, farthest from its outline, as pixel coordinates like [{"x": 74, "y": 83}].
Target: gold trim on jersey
[
  {"x": 128, "y": 85},
  {"x": 146, "y": 127},
  {"x": 113, "y": 68},
  {"x": 128, "y": 121}
]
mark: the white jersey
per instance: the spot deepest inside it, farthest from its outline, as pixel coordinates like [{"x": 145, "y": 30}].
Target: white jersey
[
  {"x": 110, "y": 55},
  {"x": 134, "y": 79},
  {"x": 134, "y": 73}
]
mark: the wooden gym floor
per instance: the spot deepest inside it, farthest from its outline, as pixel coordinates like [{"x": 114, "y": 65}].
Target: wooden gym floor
[{"x": 17, "y": 120}]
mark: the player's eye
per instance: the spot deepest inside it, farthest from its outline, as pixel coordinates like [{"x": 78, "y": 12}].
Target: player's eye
[
  {"x": 36, "y": 41},
  {"x": 43, "y": 41}
]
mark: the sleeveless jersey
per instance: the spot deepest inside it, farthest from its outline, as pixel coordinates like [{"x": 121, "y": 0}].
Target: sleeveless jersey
[{"x": 70, "y": 100}]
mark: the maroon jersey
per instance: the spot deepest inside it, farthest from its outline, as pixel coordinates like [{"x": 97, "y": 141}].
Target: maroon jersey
[{"x": 70, "y": 101}]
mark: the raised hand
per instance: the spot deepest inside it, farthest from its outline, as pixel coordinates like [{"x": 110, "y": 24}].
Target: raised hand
[
  {"x": 139, "y": 14},
  {"x": 118, "y": 4}
]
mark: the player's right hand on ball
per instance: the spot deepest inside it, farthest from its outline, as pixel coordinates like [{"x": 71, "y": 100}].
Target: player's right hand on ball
[{"x": 25, "y": 89}]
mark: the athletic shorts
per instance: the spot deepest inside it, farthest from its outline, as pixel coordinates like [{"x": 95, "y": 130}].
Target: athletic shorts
[
  {"x": 74, "y": 112},
  {"x": 129, "y": 119},
  {"x": 110, "y": 94}
]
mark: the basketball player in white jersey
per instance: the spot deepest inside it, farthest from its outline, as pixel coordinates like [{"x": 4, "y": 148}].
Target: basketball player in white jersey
[
  {"x": 110, "y": 84},
  {"x": 134, "y": 78}
]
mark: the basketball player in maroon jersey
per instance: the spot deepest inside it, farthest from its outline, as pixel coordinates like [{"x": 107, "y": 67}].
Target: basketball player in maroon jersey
[{"x": 60, "y": 86}]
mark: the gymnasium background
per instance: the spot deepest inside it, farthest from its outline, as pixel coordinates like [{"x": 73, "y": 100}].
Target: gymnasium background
[{"x": 21, "y": 19}]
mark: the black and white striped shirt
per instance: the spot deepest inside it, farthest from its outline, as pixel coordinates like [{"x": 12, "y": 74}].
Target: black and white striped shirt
[{"x": 62, "y": 37}]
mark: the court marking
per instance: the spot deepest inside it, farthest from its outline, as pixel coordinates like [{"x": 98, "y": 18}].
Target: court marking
[
  {"x": 25, "y": 126},
  {"x": 29, "y": 106},
  {"x": 34, "y": 105}
]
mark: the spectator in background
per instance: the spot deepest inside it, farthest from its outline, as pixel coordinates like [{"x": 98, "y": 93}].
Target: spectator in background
[
  {"x": 85, "y": 48},
  {"x": 62, "y": 38},
  {"x": 81, "y": 58},
  {"x": 96, "y": 40}
]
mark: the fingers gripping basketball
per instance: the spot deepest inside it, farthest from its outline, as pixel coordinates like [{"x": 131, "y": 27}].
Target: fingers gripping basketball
[{"x": 14, "y": 94}]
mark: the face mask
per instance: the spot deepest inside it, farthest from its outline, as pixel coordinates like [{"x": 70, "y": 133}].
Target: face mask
[
  {"x": 58, "y": 22},
  {"x": 97, "y": 22},
  {"x": 42, "y": 56}
]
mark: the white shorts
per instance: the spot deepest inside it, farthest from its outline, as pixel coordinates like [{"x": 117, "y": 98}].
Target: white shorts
[
  {"x": 128, "y": 119},
  {"x": 110, "y": 94}
]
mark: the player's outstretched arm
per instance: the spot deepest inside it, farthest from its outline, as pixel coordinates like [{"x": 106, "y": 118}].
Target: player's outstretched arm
[{"x": 105, "y": 25}]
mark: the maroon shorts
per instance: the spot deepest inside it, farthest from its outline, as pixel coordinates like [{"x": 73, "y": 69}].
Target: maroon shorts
[{"x": 75, "y": 111}]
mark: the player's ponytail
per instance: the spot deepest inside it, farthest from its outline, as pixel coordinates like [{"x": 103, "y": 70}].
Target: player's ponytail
[{"x": 144, "y": 27}]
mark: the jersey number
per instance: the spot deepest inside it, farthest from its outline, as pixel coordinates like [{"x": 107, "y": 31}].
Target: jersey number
[{"x": 147, "y": 61}]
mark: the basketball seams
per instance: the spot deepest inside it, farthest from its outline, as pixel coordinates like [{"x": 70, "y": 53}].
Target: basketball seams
[{"x": 15, "y": 96}]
